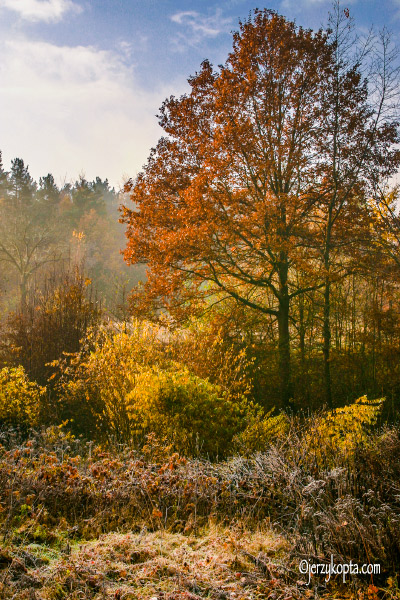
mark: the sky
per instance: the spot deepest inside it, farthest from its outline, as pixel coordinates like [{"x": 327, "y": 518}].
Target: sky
[{"x": 81, "y": 81}]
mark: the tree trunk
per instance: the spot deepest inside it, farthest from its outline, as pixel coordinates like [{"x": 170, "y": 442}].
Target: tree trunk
[
  {"x": 302, "y": 334},
  {"x": 327, "y": 343},
  {"x": 23, "y": 290},
  {"x": 285, "y": 374},
  {"x": 326, "y": 327}
]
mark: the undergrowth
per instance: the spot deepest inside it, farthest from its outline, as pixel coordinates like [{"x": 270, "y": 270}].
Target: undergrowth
[{"x": 338, "y": 496}]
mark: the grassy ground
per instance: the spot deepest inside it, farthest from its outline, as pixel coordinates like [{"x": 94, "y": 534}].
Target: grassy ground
[
  {"x": 78, "y": 522},
  {"x": 220, "y": 563},
  {"x": 216, "y": 563}
]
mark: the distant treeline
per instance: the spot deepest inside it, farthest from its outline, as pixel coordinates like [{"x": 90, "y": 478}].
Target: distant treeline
[{"x": 46, "y": 228}]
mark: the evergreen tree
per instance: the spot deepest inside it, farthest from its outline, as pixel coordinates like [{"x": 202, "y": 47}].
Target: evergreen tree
[
  {"x": 3, "y": 179},
  {"x": 87, "y": 196},
  {"x": 48, "y": 192},
  {"x": 21, "y": 185}
]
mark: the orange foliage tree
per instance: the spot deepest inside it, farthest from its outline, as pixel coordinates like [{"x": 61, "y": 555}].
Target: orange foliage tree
[{"x": 229, "y": 204}]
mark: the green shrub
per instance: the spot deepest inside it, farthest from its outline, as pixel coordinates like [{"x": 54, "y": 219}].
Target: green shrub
[{"x": 195, "y": 415}]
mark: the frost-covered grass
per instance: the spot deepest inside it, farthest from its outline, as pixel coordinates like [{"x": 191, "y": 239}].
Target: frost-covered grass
[{"x": 80, "y": 521}]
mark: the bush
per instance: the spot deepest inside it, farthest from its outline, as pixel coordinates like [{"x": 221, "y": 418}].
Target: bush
[
  {"x": 21, "y": 400},
  {"x": 207, "y": 351},
  {"x": 261, "y": 431},
  {"x": 131, "y": 387},
  {"x": 196, "y": 416},
  {"x": 54, "y": 320},
  {"x": 93, "y": 386},
  {"x": 342, "y": 430}
]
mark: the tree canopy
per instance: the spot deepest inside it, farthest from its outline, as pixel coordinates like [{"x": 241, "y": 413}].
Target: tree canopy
[{"x": 239, "y": 198}]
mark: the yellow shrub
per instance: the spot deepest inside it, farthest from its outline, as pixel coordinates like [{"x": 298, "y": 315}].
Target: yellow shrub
[
  {"x": 20, "y": 399},
  {"x": 343, "y": 429},
  {"x": 133, "y": 388},
  {"x": 206, "y": 350},
  {"x": 188, "y": 410},
  {"x": 261, "y": 431},
  {"x": 94, "y": 387}
]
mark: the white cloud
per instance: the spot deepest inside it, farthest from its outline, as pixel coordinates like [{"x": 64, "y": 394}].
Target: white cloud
[
  {"x": 198, "y": 26},
  {"x": 68, "y": 109},
  {"x": 41, "y": 10}
]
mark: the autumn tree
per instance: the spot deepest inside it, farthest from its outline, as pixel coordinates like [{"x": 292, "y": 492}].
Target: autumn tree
[
  {"x": 386, "y": 217},
  {"x": 224, "y": 207}
]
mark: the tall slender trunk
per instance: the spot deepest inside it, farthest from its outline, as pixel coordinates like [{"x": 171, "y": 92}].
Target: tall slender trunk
[
  {"x": 302, "y": 334},
  {"x": 285, "y": 371},
  {"x": 326, "y": 328},
  {"x": 23, "y": 290},
  {"x": 327, "y": 344}
]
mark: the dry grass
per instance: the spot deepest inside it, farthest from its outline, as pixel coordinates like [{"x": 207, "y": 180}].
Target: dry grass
[
  {"x": 79, "y": 522},
  {"x": 220, "y": 563}
]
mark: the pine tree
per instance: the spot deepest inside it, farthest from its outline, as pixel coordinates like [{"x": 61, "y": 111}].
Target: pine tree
[{"x": 21, "y": 184}]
